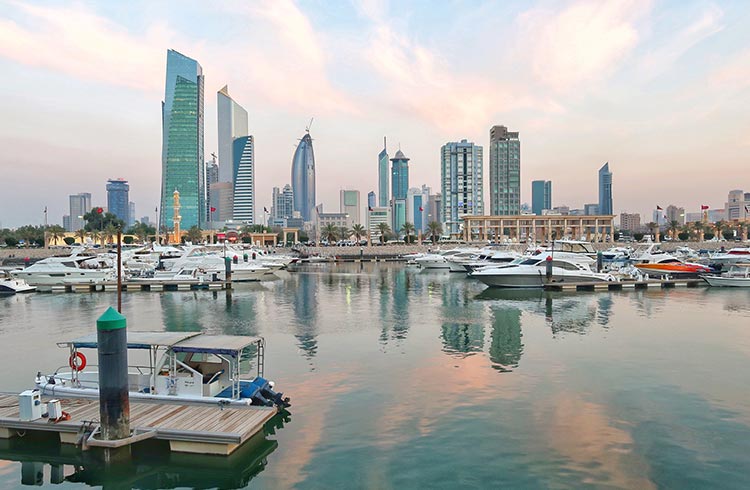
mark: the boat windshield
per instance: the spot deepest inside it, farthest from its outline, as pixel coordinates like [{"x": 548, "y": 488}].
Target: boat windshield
[{"x": 530, "y": 262}]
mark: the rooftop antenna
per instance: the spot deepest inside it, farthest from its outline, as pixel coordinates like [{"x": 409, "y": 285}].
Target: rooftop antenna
[
  {"x": 385, "y": 147},
  {"x": 307, "y": 129}
]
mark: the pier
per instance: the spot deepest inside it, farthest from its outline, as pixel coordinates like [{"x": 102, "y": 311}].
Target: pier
[
  {"x": 155, "y": 286},
  {"x": 620, "y": 285},
  {"x": 189, "y": 428}
]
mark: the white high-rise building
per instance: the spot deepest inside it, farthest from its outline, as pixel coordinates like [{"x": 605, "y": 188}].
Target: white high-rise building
[
  {"x": 349, "y": 204},
  {"x": 232, "y": 123},
  {"x": 417, "y": 207},
  {"x": 244, "y": 181},
  {"x": 461, "y": 173},
  {"x": 375, "y": 216},
  {"x": 80, "y": 204}
]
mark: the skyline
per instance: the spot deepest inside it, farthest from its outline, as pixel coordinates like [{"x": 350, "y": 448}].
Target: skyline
[{"x": 86, "y": 109}]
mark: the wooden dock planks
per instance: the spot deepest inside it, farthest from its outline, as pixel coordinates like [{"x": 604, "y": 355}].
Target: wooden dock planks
[{"x": 193, "y": 426}]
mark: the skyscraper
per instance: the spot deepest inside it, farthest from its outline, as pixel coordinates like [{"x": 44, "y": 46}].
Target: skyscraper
[
  {"x": 283, "y": 203},
  {"x": 244, "y": 179},
  {"x": 131, "y": 214},
  {"x": 541, "y": 196},
  {"x": 371, "y": 199},
  {"x": 232, "y": 123},
  {"x": 182, "y": 142},
  {"x": 462, "y": 183},
  {"x": 349, "y": 204},
  {"x": 505, "y": 172},
  {"x": 118, "y": 199},
  {"x": 383, "y": 176},
  {"x": 605, "y": 190},
  {"x": 417, "y": 201},
  {"x": 80, "y": 204},
  {"x": 399, "y": 188},
  {"x": 303, "y": 178}
]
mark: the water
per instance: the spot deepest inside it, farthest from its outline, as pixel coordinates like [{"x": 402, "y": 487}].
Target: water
[{"x": 401, "y": 378}]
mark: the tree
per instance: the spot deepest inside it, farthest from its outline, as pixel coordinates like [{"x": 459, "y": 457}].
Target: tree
[
  {"x": 127, "y": 239},
  {"x": 683, "y": 235},
  {"x": 638, "y": 236},
  {"x": 96, "y": 220},
  {"x": 96, "y": 236},
  {"x": 142, "y": 231},
  {"x": 69, "y": 240},
  {"x": 30, "y": 235},
  {"x": 384, "y": 230},
  {"x": 407, "y": 229},
  {"x": 698, "y": 227},
  {"x": 329, "y": 233},
  {"x": 359, "y": 231},
  {"x": 194, "y": 234},
  {"x": 674, "y": 225},
  {"x": 434, "y": 230},
  {"x": 82, "y": 235},
  {"x": 11, "y": 240},
  {"x": 55, "y": 233},
  {"x": 653, "y": 228},
  {"x": 109, "y": 233},
  {"x": 344, "y": 232}
]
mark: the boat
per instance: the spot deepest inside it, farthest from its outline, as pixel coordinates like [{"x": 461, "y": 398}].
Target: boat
[
  {"x": 655, "y": 262},
  {"x": 532, "y": 272},
  {"x": 75, "y": 269},
  {"x": 491, "y": 258},
  {"x": 180, "y": 367},
  {"x": 9, "y": 285},
  {"x": 738, "y": 277},
  {"x": 439, "y": 260},
  {"x": 737, "y": 255}
]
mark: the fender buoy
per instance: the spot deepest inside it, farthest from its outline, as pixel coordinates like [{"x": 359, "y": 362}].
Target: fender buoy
[{"x": 77, "y": 361}]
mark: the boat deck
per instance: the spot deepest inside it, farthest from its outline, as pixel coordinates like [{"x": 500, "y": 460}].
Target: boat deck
[{"x": 188, "y": 428}]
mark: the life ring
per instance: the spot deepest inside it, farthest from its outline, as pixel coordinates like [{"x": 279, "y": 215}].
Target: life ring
[{"x": 77, "y": 361}]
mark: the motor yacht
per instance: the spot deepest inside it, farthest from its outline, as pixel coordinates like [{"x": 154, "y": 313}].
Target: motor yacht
[
  {"x": 180, "y": 367},
  {"x": 75, "y": 269},
  {"x": 737, "y": 255},
  {"x": 656, "y": 262},
  {"x": 10, "y": 285},
  {"x": 531, "y": 272}
]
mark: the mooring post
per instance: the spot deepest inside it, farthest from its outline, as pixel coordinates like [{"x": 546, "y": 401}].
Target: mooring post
[
  {"x": 228, "y": 272},
  {"x": 114, "y": 402},
  {"x": 599, "y": 259},
  {"x": 548, "y": 268}
]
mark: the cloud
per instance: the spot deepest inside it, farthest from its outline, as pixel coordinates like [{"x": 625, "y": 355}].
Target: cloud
[
  {"x": 733, "y": 75},
  {"x": 661, "y": 58},
  {"x": 77, "y": 42},
  {"x": 581, "y": 44}
]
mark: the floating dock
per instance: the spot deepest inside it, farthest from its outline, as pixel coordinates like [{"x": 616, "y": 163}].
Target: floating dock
[
  {"x": 619, "y": 285},
  {"x": 156, "y": 286},
  {"x": 189, "y": 428}
]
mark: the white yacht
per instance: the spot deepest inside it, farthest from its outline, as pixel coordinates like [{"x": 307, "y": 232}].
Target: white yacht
[
  {"x": 75, "y": 269},
  {"x": 9, "y": 285},
  {"x": 532, "y": 272},
  {"x": 439, "y": 260},
  {"x": 738, "y": 276},
  {"x": 491, "y": 258},
  {"x": 737, "y": 255}
]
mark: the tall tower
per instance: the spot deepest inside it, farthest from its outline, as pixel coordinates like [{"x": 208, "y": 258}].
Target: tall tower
[
  {"x": 400, "y": 188},
  {"x": 462, "y": 180},
  {"x": 505, "y": 172},
  {"x": 183, "y": 167},
  {"x": 244, "y": 179},
  {"x": 605, "y": 190},
  {"x": 383, "y": 177},
  {"x": 303, "y": 178},
  {"x": 541, "y": 196},
  {"x": 118, "y": 202}
]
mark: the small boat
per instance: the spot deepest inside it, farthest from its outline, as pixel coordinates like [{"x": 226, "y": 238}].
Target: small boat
[
  {"x": 655, "y": 262},
  {"x": 180, "y": 367},
  {"x": 9, "y": 285},
  {"x": 737, "y": 277}
]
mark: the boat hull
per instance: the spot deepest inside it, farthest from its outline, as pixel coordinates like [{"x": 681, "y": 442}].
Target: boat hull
[
  {"x": 672, "y": 269},
  {"x": 734, "y": 282},
  {"x": 530, "y": 281}
]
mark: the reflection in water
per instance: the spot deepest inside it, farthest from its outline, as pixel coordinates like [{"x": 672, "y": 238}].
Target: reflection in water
[
  {"x": 151, "y": 464},
  {"x": 506, "y": 347},
  {"x": 463, "y": 331},
  {"x": 181, "y": 312},
  {"x": 306, "y": 312},
  {"x": 401, "y": 294},
  {"x": 605, "y": 309}
]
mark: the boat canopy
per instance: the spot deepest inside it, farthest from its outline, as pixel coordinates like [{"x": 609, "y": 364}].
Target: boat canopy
[
  {"x": 175, "y": 341},
  {"x": 216, "y": 344}
]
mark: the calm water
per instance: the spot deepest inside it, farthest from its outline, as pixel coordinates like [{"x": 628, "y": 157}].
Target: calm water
[{"x": 404, "y": 379}]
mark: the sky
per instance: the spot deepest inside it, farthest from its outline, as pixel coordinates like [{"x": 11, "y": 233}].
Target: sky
[{"x": 659, "y": 89}]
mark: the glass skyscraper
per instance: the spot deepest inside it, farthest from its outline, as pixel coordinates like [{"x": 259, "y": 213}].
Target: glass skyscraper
[
  {"x": 462, "y": 182},
  {"x": 383, "y": 177},
  {"x": 244, "y": 179},
  {"x": 399, "y": 189},
  {"x": 303, "y": 178},
  {"x": 505, "y": 172},
  {"x": 605, "y": 190},
  {"x": 541, "y": 196},
  {"x": 118, "y": 201},
  {"x": 183, "y": 168},
  {"x": 80, "y": 204}
]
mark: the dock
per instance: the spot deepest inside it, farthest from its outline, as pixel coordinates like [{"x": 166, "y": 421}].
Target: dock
[
  {"x": 620, "y": 285},
  {"x": 189, "y": 428},
  {"x": 153, "y": 286}
]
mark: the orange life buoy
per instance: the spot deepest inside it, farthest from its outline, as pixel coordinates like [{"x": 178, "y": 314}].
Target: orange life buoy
[{"x": 77, "y": 361}]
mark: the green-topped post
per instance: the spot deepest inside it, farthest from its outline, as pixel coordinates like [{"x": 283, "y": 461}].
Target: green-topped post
[{"x": 114, "y": 402}]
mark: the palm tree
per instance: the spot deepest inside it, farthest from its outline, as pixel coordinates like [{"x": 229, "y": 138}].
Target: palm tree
[
  {"x": 653, "y": 228},
  {"x": 344, "y": 232},
  {"x": 434, "y": 229},
  {"x": 109, "y": 233},
  {"x": 96, "y": 236},
  {"x": 82, "y": 235},
  {"x": 674, "y": 225},
  {"x": 329, "y": 232},
  {"x": 407, "y": 229},
  {"x": 721, "y": 226},
  {"x": 699, "y": 228},
  {"x": 55, "y": 233},
  {"x": 384, "y": 230},
  {"x": 194, "y": 234},
  {"x": 358, "y": 231}
]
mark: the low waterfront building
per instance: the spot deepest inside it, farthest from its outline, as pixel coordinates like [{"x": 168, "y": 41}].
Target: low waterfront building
[
  {"x": 630, "y": 221},
  {"x": 737, "y": 207},
  {"x": 375, "y": 216},
  {"x": 538, "y": 228}
]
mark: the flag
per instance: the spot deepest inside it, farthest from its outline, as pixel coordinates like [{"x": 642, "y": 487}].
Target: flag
[
  {"x": 747, "y": 210},
  {"x": 421, "y": 209},
  {"x": 703, "y": 207},
  {"x": 99, "y": 210},
  {"x": 369, "y": 208},
  {"x": 213, "y": 209},
  {"x": 658, "y": 208},
  {"x": 265, "y": 209},
  {"x": 45, "y": 209}
]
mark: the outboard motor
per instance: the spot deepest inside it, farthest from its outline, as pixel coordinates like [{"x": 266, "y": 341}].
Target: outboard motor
[{"x": 264, "y": 395}]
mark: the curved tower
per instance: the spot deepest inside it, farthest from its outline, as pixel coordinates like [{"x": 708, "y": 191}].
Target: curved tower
[{"x": 303, "y": 178}]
